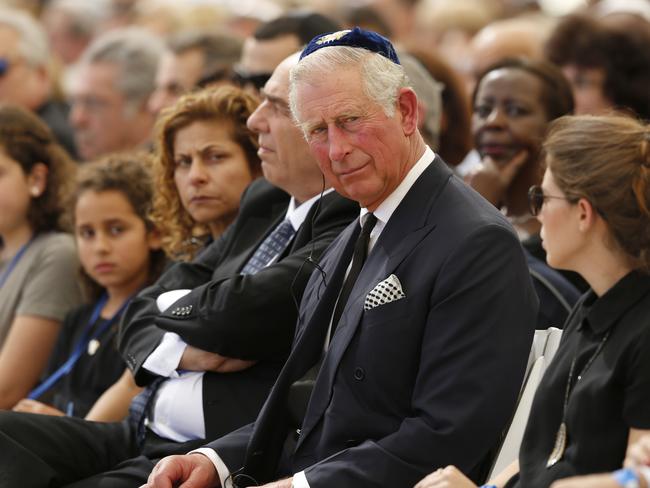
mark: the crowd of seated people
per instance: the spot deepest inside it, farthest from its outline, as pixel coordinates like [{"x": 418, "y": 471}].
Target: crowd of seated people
[{"x": 265, "y": 247}]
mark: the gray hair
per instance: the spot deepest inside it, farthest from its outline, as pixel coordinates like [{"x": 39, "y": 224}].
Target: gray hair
[
  {"x": 84, "y": 16},
  {"x": 382, "y": 79},
  {"x": 429, "y": 92},
  {"x": 33, "y": 45},
  {"x": 136, "y": 52}
]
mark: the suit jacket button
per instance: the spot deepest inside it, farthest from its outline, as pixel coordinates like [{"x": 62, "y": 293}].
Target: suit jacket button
[{"x": 359, "y": 374}]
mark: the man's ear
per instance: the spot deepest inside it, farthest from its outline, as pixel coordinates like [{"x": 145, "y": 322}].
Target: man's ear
[
  {"x": 407, "y": 104},
  {"x": 37, "y": 179}
]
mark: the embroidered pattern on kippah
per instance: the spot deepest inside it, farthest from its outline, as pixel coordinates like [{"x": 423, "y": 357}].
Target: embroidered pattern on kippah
[{"x": 335, "y": 36}]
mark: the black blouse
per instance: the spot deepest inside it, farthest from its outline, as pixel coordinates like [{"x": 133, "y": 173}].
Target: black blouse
[
  {"x": 93, "y": 373},
  {"x": 611, "y": 397}
]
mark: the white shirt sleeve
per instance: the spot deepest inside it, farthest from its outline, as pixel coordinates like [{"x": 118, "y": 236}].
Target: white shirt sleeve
[
  {"x": 222, "y": 469},
  {"x": 164, "y": 360},
  {"x": 300, "y": 480}
]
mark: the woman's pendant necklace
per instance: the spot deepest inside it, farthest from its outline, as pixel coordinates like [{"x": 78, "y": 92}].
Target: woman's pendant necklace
[
  {"x": 561, "y": 437},
  {"x": 558, "y": 448}
]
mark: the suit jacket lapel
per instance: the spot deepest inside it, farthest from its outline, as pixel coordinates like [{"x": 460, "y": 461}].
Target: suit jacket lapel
[{"x": 405, "y": 229}]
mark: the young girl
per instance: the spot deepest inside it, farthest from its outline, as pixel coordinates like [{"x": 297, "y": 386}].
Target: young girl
[
  {"x": 38, "y": 262},
  {"x": 119, "y": 250}
]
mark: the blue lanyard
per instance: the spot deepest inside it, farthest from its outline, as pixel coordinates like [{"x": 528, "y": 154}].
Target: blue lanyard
[
  {"x": 80, "y": 347},
  {"x": 14, "y": 261}
]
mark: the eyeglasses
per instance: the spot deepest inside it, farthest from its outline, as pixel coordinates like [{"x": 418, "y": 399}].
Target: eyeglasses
[{"x": 536, "y": 199}]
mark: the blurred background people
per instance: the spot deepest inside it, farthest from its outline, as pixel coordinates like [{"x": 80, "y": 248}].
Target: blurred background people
[
  {"x": 455, "y": 137},
  {"x": 25, "y": 77},
  {"x": 109, "y": 91},
  {"x": 193, "y": 58},
  {"x": 514, "y": 102},
  {"x": 71, "y": 26},
  {"x": 38, "y": 262},
  {"x": 276, "y": 39},
  {"x": 607, "y": 61}
]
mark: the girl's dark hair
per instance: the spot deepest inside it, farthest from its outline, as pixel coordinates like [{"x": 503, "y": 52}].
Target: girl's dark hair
[
  {"x": 606, "y": 159},
  {"x": 128, "y": 174},
  {"x": 28, "y": 141}
]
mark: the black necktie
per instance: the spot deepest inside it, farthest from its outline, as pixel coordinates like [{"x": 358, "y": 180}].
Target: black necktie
[
  {"x": 358, "y": 258},
  {"x": 300, "y": 391}
]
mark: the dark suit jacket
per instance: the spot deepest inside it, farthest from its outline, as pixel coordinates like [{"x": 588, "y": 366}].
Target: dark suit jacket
[
  {"x": 248, "y": 317},
  {"x": 415, "y": 384}
]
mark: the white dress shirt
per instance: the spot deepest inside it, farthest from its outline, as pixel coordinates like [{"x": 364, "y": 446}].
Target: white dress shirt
[
  {"x": 383, "y": 213},
  {"x": 178, "y": 406}
]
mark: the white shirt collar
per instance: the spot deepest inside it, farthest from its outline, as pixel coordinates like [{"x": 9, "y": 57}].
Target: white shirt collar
[
  {"x": 297, "y": 213},
  {"x": 386, "y": 208}
]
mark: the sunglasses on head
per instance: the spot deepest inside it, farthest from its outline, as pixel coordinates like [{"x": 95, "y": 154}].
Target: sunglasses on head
[{"x": 536, "y": 199}]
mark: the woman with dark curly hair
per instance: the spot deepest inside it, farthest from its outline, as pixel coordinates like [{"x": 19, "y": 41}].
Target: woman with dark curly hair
[
  {"x": 38, "y": 263},
  {"x": 205, "y": 158}
]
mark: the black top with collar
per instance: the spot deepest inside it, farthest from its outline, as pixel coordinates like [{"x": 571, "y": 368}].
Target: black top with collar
[{"x": 609, "y": 399}]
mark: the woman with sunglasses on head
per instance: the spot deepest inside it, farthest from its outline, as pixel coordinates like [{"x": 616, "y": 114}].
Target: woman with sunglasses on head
[{"x": 594, "y": 207}]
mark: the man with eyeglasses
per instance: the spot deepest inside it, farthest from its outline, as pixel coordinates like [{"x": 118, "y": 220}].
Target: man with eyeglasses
[
  {"x": 273, "y": 41},
  {"x": 24, "y": 75}
]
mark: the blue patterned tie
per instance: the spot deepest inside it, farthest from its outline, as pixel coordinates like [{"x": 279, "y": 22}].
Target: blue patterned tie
[
  {"x": 139, "y": 407},
  {"x": 274, "y": 245}
]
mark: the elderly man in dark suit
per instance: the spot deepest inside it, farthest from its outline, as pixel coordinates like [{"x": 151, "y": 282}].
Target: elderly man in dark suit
[
  {"x": 210, "y": 357},
  {"x": 421, "y": 348}
]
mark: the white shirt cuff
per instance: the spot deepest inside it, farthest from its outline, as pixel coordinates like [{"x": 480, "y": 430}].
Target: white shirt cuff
[
  {"x": 299, "y": 480},
  {"x": 164, "y": 360},
  {"x": 222, "y": 469}
]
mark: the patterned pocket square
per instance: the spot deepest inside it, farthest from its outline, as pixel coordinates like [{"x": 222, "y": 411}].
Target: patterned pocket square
[{"x": 384, "y": 292}]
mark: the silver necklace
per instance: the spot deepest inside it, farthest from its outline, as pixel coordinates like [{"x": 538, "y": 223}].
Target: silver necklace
[{"x": 561, "y": 436}]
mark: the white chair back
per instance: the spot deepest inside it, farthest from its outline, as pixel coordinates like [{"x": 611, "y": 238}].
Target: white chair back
[{"x": 545, "y": 344}]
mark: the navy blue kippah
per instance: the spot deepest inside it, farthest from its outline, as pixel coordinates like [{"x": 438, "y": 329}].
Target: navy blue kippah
[{"x": 356, "y": 37}]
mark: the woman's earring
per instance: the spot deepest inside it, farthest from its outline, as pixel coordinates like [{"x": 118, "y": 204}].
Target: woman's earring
[{"x": 36, "y": 191}]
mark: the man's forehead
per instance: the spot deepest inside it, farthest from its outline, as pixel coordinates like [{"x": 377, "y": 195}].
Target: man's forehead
[{"x": 278, "y": 85}]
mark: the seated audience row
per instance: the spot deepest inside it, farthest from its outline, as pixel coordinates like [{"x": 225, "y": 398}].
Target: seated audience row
[
  {"x": 594, "y": 207},
  {"x": 209, "y": 338}
]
